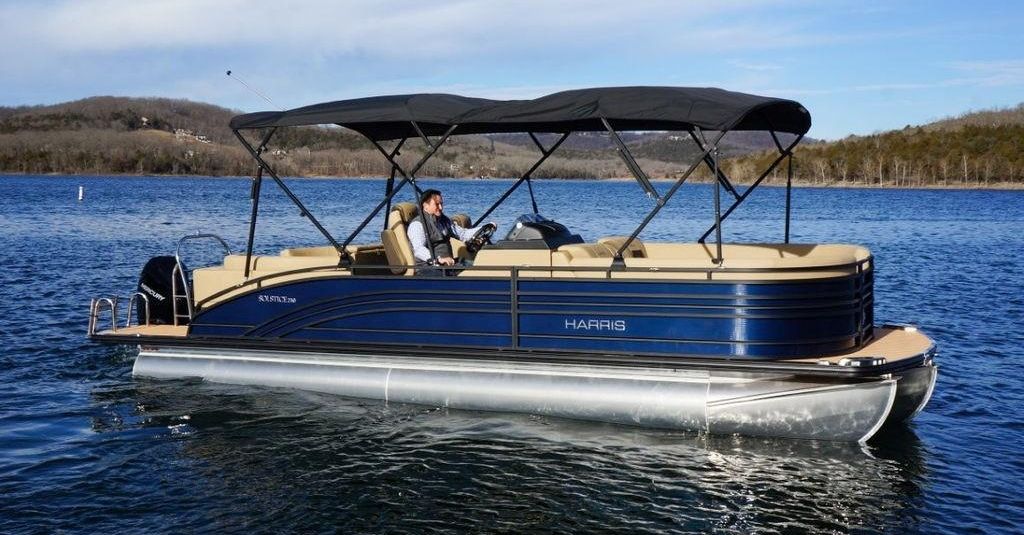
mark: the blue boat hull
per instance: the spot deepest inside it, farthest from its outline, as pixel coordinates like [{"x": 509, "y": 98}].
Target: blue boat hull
[{"x": 705, "y": 319}]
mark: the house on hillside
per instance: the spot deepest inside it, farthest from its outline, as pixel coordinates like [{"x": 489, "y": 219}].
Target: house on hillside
[{"x": 183, "y": 135}]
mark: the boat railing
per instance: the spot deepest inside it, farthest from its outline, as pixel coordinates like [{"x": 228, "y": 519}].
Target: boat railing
[
  {"x": 99, "y": 304},
  {"x": 859, "y": 269},
  {"x": 180, "y": 276},
  {"x": 865, "y": 300},
  {"x": 96, "y": 307},
  {"x": 135, "y": 298}
]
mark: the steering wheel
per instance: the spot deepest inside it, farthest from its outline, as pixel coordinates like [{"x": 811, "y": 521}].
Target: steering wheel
[{"x": 482, "y": 237}]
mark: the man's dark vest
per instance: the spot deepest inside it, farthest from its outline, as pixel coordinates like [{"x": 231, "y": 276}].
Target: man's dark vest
[{"x": 438, "y": 230}]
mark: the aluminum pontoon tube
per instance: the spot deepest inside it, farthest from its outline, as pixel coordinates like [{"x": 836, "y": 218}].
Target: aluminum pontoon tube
[{"x": 705, "y": 401}]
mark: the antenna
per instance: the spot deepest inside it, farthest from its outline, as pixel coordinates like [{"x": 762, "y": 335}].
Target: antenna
[{"x": 250, "y": 88}]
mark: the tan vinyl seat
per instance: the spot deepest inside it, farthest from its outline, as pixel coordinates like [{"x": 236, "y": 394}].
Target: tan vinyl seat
[
  {"x": 580, "y": 255},
  {"x": 396, "y": 236},
  {"x": 636, "y": 247},
  {"x": 585, "y": 251}
]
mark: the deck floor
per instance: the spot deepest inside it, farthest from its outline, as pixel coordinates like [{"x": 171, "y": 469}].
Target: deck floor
[
  {"x": 892, "y": 343},
  {"x": 173, "y": 331}
]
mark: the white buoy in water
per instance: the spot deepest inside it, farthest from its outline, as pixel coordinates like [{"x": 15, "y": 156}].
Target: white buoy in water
[{"x": 81, "y": 192}]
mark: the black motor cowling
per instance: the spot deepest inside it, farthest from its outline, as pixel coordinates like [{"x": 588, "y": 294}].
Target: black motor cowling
[
  {"x": 157, "y": 284},
  {"x": 534, "y": 231}
]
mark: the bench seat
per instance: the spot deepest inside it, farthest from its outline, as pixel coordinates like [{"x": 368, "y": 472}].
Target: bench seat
[
  {"x": 322, "y": 261},
  {"x": 658, "y": 260}
]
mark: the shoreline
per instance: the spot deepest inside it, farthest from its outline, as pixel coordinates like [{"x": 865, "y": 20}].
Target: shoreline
[{"x": 999, "y": 186}]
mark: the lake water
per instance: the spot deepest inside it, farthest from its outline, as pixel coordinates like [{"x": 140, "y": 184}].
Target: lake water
[{"x": 86, "y": 448}]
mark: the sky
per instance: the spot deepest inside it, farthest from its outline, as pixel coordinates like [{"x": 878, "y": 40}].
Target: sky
[{"x": 858, "y": 66}]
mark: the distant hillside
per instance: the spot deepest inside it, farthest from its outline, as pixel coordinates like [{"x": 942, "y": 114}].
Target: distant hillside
[
  {"x": 664, "y": 146},
  {"x": 149, "y": 136},
  {"x": 995, "y": 117},
  {"x": 977, "y": 149},
  {"x": 117, "y": 135},
  {"x": 110, "y": 135},
  {"x": 120, "y": 114},
  {"x": 166, "y": 136}
]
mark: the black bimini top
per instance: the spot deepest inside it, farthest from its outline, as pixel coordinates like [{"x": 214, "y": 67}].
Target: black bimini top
[
  {"x": 627, "y": 108},
  {"x": 378, "y": 118}
]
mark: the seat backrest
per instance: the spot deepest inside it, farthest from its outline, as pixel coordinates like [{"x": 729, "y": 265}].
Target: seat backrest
[
  {"x": 636, "y": 248},
  {"x": 584, "y": 251},
  {"x": 396, "y": 237}
]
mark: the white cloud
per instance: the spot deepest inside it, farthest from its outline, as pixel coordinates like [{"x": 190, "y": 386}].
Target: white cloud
[
  {"x": 757, "y": 67},
  {"x": 348, "y": 48},
  {"x": 990, "y": 73},
  {"x": 980, "y": 74},
  {"x": 461, "y": 27}
]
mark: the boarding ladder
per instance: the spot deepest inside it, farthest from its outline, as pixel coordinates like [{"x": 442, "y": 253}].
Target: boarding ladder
[{"x": 98, "y": 304}]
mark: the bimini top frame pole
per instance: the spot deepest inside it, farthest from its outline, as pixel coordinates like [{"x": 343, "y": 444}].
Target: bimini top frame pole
[
  {"x": 408, "y": 177},
  {"x": 627, "y": 158},
  {"x": 390, "y": 185},
  {"x": 668, "y": 195},
  {"x": 273, "y": 174},
  {"x": 784, "y": 153},
  {"x": 254, "y": 197},
  {"x": 527, "y": 175}
]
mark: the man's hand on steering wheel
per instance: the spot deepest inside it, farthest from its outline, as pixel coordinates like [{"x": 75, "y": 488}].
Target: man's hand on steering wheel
[{"x": 481, "y": 238}]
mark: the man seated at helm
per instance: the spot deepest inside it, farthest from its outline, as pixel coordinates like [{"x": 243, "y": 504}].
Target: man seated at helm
[{"x": 430, "y": 233}]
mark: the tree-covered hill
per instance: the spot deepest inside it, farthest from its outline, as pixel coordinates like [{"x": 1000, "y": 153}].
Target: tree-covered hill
[
  {"x": 166, "y": 136},
  {"x": 996, "y": 117},
  {"x": 978, "y": 149},
  {"x": 110, "y": 135},
  {"x": 120, "y": 114}
]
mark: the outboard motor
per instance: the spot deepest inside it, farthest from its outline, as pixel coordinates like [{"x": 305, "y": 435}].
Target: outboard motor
[{"x": 157, "y": 284}]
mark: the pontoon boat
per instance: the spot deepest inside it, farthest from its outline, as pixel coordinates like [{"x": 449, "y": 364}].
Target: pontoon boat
[{"x": 773, "y": 339}]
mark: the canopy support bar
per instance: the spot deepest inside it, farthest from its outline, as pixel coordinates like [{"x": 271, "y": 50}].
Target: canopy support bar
[
  {"x": 303, "y": 211},
  {"x": 390, "y": 185},
  {"x": 406, "y": 177},
  {"x": 254, "y": 196},
  {"x": 529, "y": 179},
  {"x": 783, "y": 153},
  {"x": 426, "y": 140},
  {"x": 711, "y": 160},
  {"x": 718, "y": 209},
  {"x": 663, "y": 201},
  {"x": 533, "y": 200},
  {"x": 775, "y": 138},
  {"x": 789, "y": 191},
  {"x": 789, "y": 175},
  {"x": 627, "y": 157},
  {"x": 719, "y": 174},
  {"x": 526, "y": 176}
]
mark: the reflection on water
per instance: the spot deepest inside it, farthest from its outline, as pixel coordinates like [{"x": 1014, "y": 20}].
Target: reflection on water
[{"x": 369, "y": 465}]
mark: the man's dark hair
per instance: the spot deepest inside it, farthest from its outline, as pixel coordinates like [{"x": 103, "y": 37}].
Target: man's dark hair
[{"x": 427, "y": 195}]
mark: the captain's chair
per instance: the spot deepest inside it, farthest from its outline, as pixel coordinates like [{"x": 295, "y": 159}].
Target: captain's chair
[{"x": 396, "y": 237}]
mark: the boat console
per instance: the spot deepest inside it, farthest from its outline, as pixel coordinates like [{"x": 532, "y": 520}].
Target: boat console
[{"x": 534, "y": 231}]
